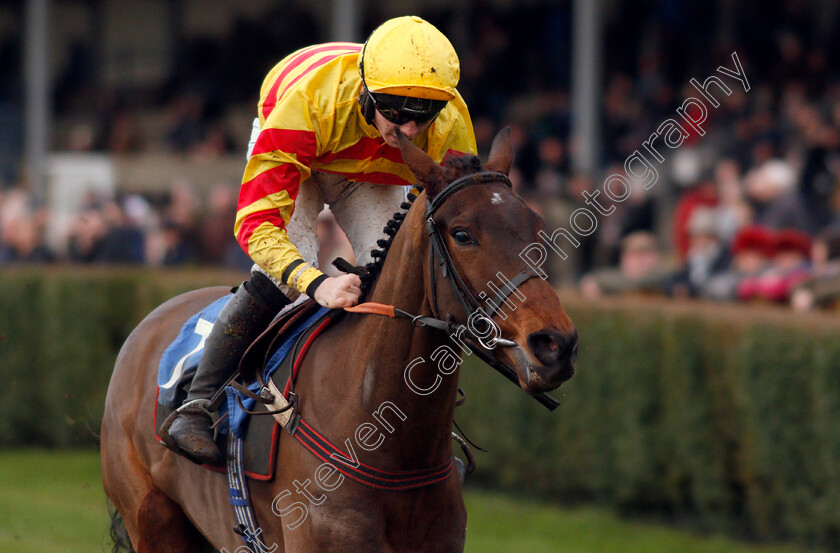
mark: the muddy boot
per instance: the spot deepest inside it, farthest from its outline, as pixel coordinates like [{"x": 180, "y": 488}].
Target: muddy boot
[{"x": 247, "y": 314}]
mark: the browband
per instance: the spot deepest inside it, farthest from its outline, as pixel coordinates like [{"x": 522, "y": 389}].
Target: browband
[{"x": 482, "y": 177}]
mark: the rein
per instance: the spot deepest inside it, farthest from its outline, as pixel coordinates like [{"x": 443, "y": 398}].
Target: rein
[{"x": 476, "y": 314}]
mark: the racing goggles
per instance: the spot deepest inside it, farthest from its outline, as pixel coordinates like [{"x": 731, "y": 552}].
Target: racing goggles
[{"x": 400, "y": 110}]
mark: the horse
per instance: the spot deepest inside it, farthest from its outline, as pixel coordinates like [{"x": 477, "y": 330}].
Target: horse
[{"x": 371, "y": 377}]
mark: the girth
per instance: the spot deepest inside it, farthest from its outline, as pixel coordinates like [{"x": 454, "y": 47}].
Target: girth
[{"x": 279, "y": 396}]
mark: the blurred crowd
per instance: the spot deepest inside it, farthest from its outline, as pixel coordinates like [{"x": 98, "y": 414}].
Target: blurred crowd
[
  {"x": 172, "y": 229},
  {"x": 750, "y": 211}
]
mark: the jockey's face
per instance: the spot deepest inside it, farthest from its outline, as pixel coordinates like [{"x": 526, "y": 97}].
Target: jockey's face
[{"x": 411, "y": 129}]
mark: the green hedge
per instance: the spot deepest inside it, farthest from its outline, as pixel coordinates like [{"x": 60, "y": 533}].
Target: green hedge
[
  {"x": 723, "y": 417},
  {"x": 60, "y": 332}
]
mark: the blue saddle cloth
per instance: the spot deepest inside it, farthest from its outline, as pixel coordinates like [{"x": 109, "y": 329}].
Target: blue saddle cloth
[{"x": 180, "y": 359}]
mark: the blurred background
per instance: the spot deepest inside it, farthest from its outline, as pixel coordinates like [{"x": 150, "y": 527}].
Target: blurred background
[{"x": 708, "y": 391}]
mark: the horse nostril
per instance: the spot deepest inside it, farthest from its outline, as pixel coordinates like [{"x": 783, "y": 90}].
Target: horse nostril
[
  {"x": 549, "y": 346},
  {"x": 545, "y": 347}
]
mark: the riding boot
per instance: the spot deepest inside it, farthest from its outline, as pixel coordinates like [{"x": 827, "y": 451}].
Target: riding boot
[{"x": 245, "y": 316}]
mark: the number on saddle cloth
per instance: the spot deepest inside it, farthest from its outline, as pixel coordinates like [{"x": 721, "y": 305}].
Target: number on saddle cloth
[{"x": 180, "y": 360}]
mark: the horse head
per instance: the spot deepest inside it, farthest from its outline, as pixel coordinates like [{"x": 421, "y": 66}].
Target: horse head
[{"x": 475, "y": 220}]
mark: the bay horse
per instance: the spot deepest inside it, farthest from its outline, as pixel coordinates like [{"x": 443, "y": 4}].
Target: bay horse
[{"x": 168, "y": 504}]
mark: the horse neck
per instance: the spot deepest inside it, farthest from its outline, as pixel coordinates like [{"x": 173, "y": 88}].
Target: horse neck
[{"x": 423, "y": 438}]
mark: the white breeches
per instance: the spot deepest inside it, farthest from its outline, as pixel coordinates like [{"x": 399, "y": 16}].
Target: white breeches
[{"x": 360, "y": 209}]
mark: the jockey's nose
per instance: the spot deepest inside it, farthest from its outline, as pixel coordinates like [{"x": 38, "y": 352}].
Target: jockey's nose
[{"x": 409, "y": 130}]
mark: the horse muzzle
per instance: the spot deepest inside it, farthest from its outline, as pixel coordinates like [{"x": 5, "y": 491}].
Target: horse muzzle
[{"x": 547, "y": 361}]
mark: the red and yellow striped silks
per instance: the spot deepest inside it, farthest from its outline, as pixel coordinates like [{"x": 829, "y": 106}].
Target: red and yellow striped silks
[{"x": 311, "y": 121}]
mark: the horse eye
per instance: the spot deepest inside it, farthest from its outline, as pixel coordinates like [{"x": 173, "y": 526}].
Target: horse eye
[{"x": 462, "y": 236}]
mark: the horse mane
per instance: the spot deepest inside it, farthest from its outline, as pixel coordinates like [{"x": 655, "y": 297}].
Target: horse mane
[{"x": 454, "y": 167}]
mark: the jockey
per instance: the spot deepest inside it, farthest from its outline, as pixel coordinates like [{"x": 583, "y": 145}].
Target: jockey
[{"x": 326, "y": 133}]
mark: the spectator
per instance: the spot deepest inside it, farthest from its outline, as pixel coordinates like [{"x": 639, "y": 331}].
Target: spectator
[
  {"x": 640, "y": 269},
  {"x": 752, "y": 250},
  {"x": 772, "y": 190},
  {"x": 549, "y": 177},
  {"x": 217, "y": 244},
  {"x": 214, "y": 228},
  {"x": 702, "y": 195},
  {"x": 822, "y": 287},
  {"x": 178, "y": 248},
  {"x": 86, "y": 234},
  {"x": 187, "y": 124},
  {"x": 825, "y": 253},
  {"x": 177, "y": 242},
  {"x": 733, "y": 212},
  {"x": 123, "y": 242},
  {"x": 21, "y": 241},
  {"x": 790, "y": 266},
  {"x": 706, "y": 256},
  {"x": 102, "y": 233}
]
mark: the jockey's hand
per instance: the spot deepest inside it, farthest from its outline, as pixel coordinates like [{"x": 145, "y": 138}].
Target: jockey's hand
[{"x": 336, "y": 292}]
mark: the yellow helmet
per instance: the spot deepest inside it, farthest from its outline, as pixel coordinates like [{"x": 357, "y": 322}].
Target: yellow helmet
[{"x": 408, "y": 56}]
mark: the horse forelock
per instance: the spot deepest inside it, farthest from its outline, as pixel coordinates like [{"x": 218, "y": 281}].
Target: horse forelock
[{"x": 457, "y": 166}]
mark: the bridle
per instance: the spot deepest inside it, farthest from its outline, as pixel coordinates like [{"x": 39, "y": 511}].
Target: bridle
[
  {"x": 439, "y": 252},
  {"x": 477, "y": 334}
]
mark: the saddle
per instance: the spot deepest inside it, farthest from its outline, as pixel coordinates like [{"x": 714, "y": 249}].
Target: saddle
[{"x": 270, "y": 357}]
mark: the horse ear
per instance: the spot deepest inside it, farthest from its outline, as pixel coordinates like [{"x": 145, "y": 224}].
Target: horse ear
[
  {"x": 501, "y": 153},
  {"x": 429, "y": 174}
]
